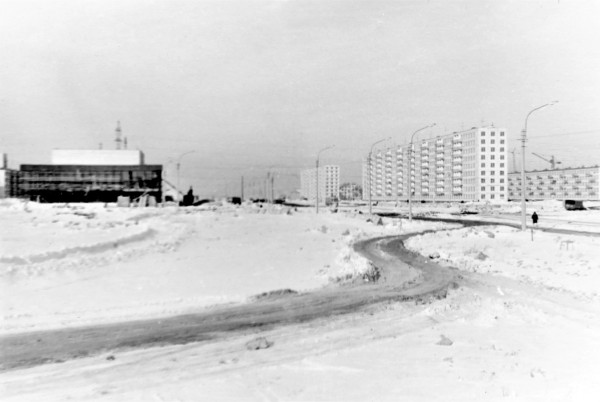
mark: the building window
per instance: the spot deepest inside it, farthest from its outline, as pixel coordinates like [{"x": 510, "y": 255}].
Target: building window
[
  {"x": 482, "y": 188},
  {"x": 493, "y": 188},
  {"x": 493, "y": 149},
  {"x": 482, "y": 149},
  {"x": 502, "y": 165},
  {"x": 501, "y": 149},
  {"x": 482, "y": 133},
  {"x": 493, "y": 142},
  {"x": 482, "y": 196},
  {"x": 502, "y": 157},
  {"x": 492, "y": 180},
  {"x": 492, "y": 172},
  {"x": 501, "y": 141},
  {"x": 483, "y": 172},
  {"x": 501, "y": 133},
  {"x": 483, "y": 141},
  {"x": 492, "y": 165},
  {"x": 493, "y": 157},
  {"x": 482, "y": 157},
  {"x": 493, "y": 133},
  {"x": 493, "y": 196},
  {"x": 502, "y": 172},
  {"x": 501, "y": 180},
  {"x": 482, "y": 164},
  {"x": 501, "y": 188},
  {"x": 483, "y": 180}
]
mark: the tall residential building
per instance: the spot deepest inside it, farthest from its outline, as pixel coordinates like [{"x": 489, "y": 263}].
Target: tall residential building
[
  {"x": 329, "y": 183},
  {"x": 470, "y": 165},
  {"x": 560, "y": 184}
]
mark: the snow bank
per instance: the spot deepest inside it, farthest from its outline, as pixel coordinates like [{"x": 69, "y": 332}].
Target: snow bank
[{"x": 561, "y": 262}]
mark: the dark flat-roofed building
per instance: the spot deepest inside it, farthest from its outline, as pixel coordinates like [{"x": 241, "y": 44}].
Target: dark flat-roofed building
[{"x": 82, "y": 177}]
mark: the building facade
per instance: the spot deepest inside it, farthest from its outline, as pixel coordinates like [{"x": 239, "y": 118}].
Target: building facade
[
  {"x": 350, "y": 192},
  {"x": 329, "y": 183},
  {"x": 467, "y": 166},
  {"x": 581, "y": 184},
  {"x": 8, "y": 179}
]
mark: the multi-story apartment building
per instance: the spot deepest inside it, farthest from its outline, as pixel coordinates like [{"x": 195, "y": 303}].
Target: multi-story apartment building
[
  {"x": 470, "y": 165},
  {"x": 580, "y": 184},
  {"x": 329, "y": 183}
]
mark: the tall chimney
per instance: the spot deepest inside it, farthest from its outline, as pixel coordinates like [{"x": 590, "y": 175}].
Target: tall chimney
[{"x": 4, "y": 161}]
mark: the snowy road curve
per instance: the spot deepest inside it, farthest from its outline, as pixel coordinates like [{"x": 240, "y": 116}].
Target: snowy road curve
[{"x": 402, "y": 276}]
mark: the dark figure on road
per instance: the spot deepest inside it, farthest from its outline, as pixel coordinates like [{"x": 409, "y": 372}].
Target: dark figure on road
[{"x": 534, "y": 218}]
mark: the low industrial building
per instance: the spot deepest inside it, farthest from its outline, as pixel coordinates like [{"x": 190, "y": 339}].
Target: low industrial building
[{"x": 90, "y": 176}]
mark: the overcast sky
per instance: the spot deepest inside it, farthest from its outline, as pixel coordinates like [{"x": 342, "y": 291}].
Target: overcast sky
[{"x": 258, "y": 86}]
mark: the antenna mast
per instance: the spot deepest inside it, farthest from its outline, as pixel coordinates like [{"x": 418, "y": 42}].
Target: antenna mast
[{"x": 118, "y": 139}]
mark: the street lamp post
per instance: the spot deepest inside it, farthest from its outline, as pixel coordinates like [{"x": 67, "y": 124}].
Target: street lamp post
[
  {"x": 179, "y": 165},
  {"x": 370, "y": 173},
  {"x": 317, "y": 177},
  {"x": 410, "y": 154},
  {"x": 523, "y": 140}
]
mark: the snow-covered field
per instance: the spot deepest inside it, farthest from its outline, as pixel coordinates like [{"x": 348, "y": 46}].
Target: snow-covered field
[
  {"x": 82, "y": 264},
  {"x": 522, "y": 323}
]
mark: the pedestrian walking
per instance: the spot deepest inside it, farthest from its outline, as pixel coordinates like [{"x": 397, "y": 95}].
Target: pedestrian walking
[{"x": 534, "y": 218}]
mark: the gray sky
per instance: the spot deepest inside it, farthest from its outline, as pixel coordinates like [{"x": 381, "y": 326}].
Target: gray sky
[{"x": 257, "y": 86}]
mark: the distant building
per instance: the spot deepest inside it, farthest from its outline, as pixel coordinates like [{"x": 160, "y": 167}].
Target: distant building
[
  {"x": 89, "y": 176},
  {"x": 329, "y": 183},
  {"x": 350, "y": 192},
  {"x": 580, "y": 184},
  {"x": 8, "y": 179},
  {"x": 467, "y": 166}
]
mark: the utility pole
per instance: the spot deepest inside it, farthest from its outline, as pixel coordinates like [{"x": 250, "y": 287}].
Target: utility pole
[
  {"x": 273, "y": 187},
  {"x": 242, "y": 190},
  {"x": 266, "y": 187}
]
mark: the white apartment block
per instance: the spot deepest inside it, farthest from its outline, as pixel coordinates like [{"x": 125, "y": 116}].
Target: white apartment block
[
  {"x": 467, "y": 166},
  {"x": 579, "y": 184},
  {"x": 329, "y": 183}
]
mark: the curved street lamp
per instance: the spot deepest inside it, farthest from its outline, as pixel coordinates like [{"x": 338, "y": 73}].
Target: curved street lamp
[
  {"x": 410, "y": 154},
  {"x": 370, "y": 174},
  {"x": 523, "y": 140},
  {"x": 317, "y": 176}
]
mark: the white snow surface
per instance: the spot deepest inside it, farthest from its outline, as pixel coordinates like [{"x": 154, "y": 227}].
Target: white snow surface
[
  {"x": 523, "y": 324},
  {"x": 70, "y": 265}
]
